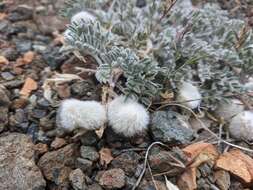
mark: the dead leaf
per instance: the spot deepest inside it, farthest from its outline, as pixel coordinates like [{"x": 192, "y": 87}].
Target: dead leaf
[
  {"x": 105, "y": 156},
  {"x": 199, "y": 153},
  {"x": 26, "y": 59},
  {"x": 3, "y": 61},
  {"x": 169, "y": 185},
  {"x": 187, "y": 181},
  {"x": 56, "y": 80},
  {"x": 28, "y": 87},
  {"x": 238, "y": 164},
  {"x": 3, "y": 16}
]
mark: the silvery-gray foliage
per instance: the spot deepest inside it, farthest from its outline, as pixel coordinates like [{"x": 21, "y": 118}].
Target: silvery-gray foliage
[{"x": 154, "y": 48}]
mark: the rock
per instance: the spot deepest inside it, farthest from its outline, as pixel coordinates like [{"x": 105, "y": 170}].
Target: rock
[
  {"x": 89, "y": 153},
  {"x": 241, "y": 126},
  {"x": 229, "y": 110},
  {"x": 19, "y": 120},
  {"x": 84, "y": 164},
  {"x": 10, "y": 53},
  {"x": 95, "y": 186},
  {"x": 3, "y": 117},
  {"x": 127, "y": 161},
  {"x": 23, "y": 46},
  {"x": 77, "y": 179},
  {"x": 89, "y": 138},
  {"x": 4, "y": 96},
  {"x": 18, "y": 169},
  {"x": 58, "y": 143},
  {"x": 169, "y": 127},
  {"x": 19, "y": 103},
  {"x": 22, "y": 12},
  {"x": 149, "y": 185},
  {"x": 160, "y": 160},
  {"x": 38, "y": 113},
  {"x": 112, "y": 179},
  {"x": 7, "y": 76},
  {"x": 56, "y": 165},
  {"x": 222, "y": 179},
  {"x": 50, "y": 23},
  {"x": 40, "y": 148}
]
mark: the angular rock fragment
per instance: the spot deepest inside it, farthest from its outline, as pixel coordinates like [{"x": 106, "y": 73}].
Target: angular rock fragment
[
  {"x": 169, "y": 127},
  {"x": 17, "y": 166}
]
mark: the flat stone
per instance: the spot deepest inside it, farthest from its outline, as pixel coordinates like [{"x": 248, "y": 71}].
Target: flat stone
[
  {"x": 7, "y": 76},
  {"x": 127, "y": 161},
  {"x": 169, "y": 127},
  {"x": 84, "y": 164},
  {"x": 58, "y": 143},
  {"x": 56, "y": 165},
  {"x": 77, "y": 179},
  {"x": 112, "y": 179},
  {"x": 17, "y": 166},
  {"x": 22, "y": 12},
  {"x": 89, "y": 153}
]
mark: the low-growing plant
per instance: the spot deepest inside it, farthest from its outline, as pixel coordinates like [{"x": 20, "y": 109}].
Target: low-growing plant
[{"x": 153, "y": 46}]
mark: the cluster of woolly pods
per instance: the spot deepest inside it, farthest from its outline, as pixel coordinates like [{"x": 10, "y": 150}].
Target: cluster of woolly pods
[{"x": 126, "y": 116}]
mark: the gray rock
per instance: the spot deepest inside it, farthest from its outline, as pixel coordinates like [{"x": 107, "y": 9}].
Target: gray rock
[
  {"x": 169, "y": 127},
  {"x": 23, "y": 46},
  {"x": 17, "y": 166},
  {"x": 89, "y": 138},
  {"x": 10, "y": 53},
  {"x": 77, "y": 179},
  {"x": 112, "y": 179},
  {"x": 4, "y": 107},
  {"x": 127, "y": 161},
  {"x": 4, "y": 96},
  {"x": 95, "y": 186},
  {"x": 84, "y": 164},
  {"x": 3, "y": 118},
  {"x": 7, "y": 76},
  {"x": 89, "y": 153},
  {"x": 22, "y": 12}
]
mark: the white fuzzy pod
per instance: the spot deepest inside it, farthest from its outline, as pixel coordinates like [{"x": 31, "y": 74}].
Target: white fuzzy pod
[
  {"x": 127, "y": 116},
  {"x": 189, "y": 95},
  {"x": 82, "y": 16},
  {"x": 241, "y": 126},
  {"x": 229, "y": 110},
  {"x": 74, "y": 113}
]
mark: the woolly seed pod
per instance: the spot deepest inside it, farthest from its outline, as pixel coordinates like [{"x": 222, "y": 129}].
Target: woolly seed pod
[
  {"x": 228, "y": 110},
  {"x": 74, "y": 114},
  {"x": 241, "y": 126},
  {"x": 127, "y": 116},
  {"x": 82, "y": 16},
  {"x": 189, "y": 95}
]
